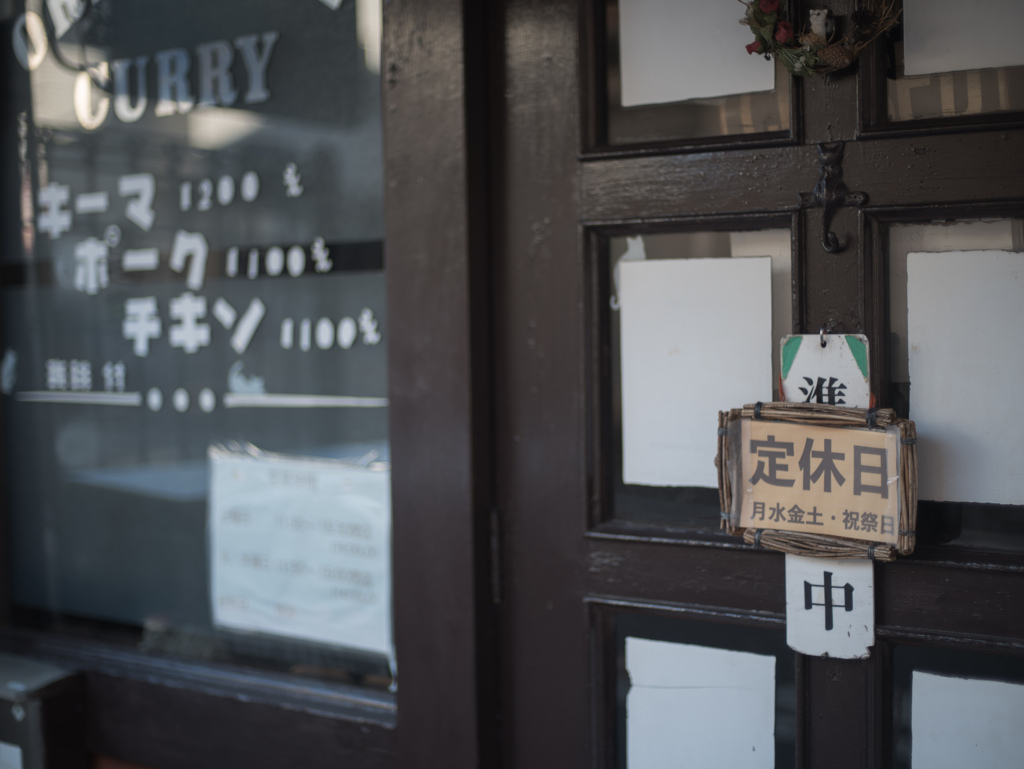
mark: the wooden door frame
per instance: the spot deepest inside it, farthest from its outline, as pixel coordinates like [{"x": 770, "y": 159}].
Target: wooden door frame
[
  {"x": 171, "y": 713},
  {"x": 436, "y": 239}
]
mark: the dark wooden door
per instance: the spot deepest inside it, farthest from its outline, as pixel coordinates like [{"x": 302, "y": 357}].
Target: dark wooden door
[{"x": 576, "y": 576}]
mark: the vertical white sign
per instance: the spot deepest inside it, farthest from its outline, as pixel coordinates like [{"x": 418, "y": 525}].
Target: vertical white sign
[
  {"x": 830, "y": 606},
  {"x": 301, "y": 548},
  {"x": 966, "y": 364},
  {"x": 696, "y": 340}
]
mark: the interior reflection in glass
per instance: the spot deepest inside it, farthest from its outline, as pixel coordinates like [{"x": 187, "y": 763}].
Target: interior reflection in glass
[{"x": 952, "y": 94}]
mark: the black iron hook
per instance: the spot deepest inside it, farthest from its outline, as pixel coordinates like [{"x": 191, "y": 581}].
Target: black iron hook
[{"x": 831, "y": 193}]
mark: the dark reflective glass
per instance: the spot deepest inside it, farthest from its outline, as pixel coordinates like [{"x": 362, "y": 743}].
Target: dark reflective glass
[{"x": 192, "y": 258}]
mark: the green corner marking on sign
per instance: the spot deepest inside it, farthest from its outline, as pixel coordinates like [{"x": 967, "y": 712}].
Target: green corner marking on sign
[
  {"x": 789, "y": 349},
  {"x": 860, "y": 353}
]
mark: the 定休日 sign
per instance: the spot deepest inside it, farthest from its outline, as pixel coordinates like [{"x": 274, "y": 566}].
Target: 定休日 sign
[{"x": 835, "y": 481}]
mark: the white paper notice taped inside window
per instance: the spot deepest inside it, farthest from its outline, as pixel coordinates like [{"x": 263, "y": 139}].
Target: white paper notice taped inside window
[
  {"x": 672, "y": 51},
  {"x": 963, "y": 311},
  {"x": 301, "y": 548},
  {"x": 696, "y": 340},
  {"x": 946, "y": 36},
  {"x": 697, "y": 706},
  {"x": 960, "y": 722}
]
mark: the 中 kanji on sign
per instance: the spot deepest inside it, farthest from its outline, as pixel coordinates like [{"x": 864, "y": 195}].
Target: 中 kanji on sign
[{"x": 828, "y": 601}]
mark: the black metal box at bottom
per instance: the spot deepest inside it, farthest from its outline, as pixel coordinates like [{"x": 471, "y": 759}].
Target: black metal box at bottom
[{"x": 42, "y": 716}]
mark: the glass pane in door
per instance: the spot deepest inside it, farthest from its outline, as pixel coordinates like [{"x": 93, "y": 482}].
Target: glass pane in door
[
  {"x": 952, "y": 285},
  {"x": 677, "y": 300},
  {"x": 679, "y": 72}
]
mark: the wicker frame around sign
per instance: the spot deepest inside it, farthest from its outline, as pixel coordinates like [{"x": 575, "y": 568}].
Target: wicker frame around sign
[{"x": 816, "y": 415}]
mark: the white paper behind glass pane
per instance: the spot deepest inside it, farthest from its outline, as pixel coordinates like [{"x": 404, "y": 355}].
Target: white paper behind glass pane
[
  {"x": 678, "y": 245},
  {"x": 950, "y": 36},
  {"x": 673, "y": 51},
  {"x": 698, "y": 706},
  {"x": 999, "y": 235},
  {"x": 696, "y": 340},
  {"x": 964, "y": 310},
  {"x": 957, "y": 723},
  {"x": 301, "y": 548}
]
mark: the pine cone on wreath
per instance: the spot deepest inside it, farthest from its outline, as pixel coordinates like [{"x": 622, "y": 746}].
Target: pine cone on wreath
[{"x": 835, "y": 57}]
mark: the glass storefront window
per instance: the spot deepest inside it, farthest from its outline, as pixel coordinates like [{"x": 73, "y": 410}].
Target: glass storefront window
[{"x": 195, "y": 329}]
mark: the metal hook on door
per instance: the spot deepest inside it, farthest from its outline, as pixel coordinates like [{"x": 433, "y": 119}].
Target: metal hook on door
[
  {"x": 826, "y": 328},
  {"x": 831, "y": 193}
]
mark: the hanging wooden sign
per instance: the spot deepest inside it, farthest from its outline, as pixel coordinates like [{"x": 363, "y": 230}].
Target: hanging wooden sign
[{"x": 820, "y": 480}]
